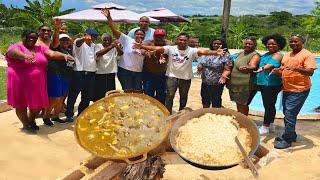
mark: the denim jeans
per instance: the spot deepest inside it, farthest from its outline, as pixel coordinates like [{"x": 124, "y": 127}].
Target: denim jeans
[
  {"x": 172, "y": 85},
  {"x": 269, "y": 98},
  {"x": 81, "y": 82},
  {"x": 130, "y": 80},
  {"x": 211, "y": 94},
  {"x": 154, "y": 85},
  {"x": 292, "y": 104}
]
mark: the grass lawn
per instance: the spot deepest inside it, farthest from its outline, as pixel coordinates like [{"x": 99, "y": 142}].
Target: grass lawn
[{"x": 3, "y": 88}]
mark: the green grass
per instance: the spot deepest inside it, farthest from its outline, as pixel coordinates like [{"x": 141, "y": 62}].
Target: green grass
[{"x": 3, "y": 89}]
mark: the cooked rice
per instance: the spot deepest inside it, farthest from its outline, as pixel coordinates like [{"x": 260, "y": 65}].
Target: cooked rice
[{"x": 210, "y": 140}]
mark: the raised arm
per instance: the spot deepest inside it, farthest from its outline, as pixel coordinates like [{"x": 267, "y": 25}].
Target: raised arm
[
  {"x": 55, "y": 40},
  {"x": 113, "y": 26}
]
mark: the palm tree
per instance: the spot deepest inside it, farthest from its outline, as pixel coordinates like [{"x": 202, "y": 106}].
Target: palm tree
[{"x": 36, "y": 13}]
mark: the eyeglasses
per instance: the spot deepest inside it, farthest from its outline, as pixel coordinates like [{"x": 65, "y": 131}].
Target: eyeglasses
[
  {"x": 45, "y": 30},
  {"x": 34, "y": 38}
]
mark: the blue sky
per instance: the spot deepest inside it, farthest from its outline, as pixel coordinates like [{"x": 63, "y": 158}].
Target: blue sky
[{"x": 189, "y": 7}]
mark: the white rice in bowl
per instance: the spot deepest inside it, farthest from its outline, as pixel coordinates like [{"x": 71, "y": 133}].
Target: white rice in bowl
[{"x": 210, "y": 140}]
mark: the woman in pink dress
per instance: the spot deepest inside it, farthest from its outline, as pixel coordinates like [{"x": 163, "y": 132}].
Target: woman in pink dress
[{"x": 27, "y": 81}]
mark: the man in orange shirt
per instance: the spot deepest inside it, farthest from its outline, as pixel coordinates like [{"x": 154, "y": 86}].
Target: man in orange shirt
[{"x": 296, "y": 69}]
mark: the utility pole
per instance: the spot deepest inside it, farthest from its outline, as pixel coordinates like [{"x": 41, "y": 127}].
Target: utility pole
[{"x": 225, "y": 18}]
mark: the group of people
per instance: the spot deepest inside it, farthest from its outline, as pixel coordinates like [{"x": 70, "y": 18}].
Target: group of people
[{"x": 44, "y": 71}]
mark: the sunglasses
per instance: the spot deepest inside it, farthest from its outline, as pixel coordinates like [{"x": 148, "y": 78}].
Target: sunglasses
[
  {"x": 45, "y": 30},
  {"x": 32, "y": 38}
]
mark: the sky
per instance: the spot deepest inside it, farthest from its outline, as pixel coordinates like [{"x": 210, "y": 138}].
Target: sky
[{"x": 191, "y": 7}]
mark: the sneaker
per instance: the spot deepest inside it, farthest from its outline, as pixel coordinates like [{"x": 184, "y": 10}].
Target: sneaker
[
  {"x": 282, "y": 144},
  {"x": 281, "y": 139},
  {"x": 272, "y": 128},
  {"x": 57, "y": 119},
  {"x": 34, "y": 126},
  {"x": 69, "y": 119},
  {"x": 263, "y": 130},
  {"x": 47, "y": 122}
]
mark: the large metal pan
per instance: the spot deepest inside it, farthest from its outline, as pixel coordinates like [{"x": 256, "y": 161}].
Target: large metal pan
[
  {"x": 244, "y": 122},
  {"x": 122, "y": 126}
]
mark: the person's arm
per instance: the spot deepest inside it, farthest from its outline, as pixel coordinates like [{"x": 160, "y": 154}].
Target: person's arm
[
  {"x": 55, "y": 55},
  {"x": 117, "y": 45},
  {"x": 80, "y": 41},
  {"x": 269, "y": 66},
  {"x": 225, "y": 74},
  {"x": 55, "y": 40},
  {"x": 113, "y": 26},
  {"x": 104, "y": 50},
  {"x": 254, "y": 61},
  {"x": 158, "y": 49},
  {"x": 17, "y": 54},
  {"x": 208, "y": 52},
  {"x": 301, "y": 70}
]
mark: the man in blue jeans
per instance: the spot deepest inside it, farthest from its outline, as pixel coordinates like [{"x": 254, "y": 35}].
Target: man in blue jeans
[
  {"x": 84, "y": 73},
  {"x": 296, "y": 69},
  {"x": 154, "y": 78}
]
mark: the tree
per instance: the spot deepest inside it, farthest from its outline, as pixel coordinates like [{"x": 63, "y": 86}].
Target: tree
[
  {"x": 5, "y": 16},
  {"x": 36, "y": 13}
]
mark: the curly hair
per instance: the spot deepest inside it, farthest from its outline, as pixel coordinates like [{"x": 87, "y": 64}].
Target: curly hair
[{"x": 281, "y": 41}]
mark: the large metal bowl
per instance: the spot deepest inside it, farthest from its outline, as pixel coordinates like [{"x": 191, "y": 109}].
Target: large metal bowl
[
  {"x": 244, "y": 122},
  {"x": 151, "y": 132}
]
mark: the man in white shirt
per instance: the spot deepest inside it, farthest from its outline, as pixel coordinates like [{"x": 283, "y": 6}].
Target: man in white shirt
[
  {"x": 144, "y": 23},
  {"x": 84, "y": 73},
  {"x": 179, "y": 69}
]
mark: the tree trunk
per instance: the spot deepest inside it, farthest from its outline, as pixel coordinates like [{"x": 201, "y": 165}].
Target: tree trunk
[{"x": 225, "y": 18}]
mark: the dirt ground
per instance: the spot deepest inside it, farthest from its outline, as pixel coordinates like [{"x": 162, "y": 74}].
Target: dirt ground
[{"x": 53, "y": 151}]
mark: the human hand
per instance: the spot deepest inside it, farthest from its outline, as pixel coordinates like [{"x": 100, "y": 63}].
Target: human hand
[
  {"x": 57, "y": 24},
  {"x": 150, "y": 53},
  {"x": 87, "y": 37},
  {"x": 105, "y": 12},
  {"x": 243, "y": 68},
  {"x": 29, "y": 58},
  {"x": 199, "y": 69},
  {"x": 220, "y": 52},
  {"x": 137, "y": 45},
  {"x": 259, "y": 70},
  {"x": 162, "y": 59},
  {"x": 223, "y": 79},
  {"x": 115, "y": 43},
  {"x": 68, "y": 57}
]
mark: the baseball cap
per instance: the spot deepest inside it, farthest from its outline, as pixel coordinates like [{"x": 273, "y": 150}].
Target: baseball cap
[
  {"x": 64, "y": 36},
  {"x": 159, "y": 32},
  {"x": 91, "y": 32}
]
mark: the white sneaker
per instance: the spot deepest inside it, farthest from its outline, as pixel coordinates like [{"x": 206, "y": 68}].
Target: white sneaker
[
  {"x": 263, "y": 130},
  {"x": 272, "y": 128}
]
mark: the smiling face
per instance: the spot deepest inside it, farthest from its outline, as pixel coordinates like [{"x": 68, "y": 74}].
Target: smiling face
[
  {"x": 144, "y": 23},
  {"x": 216, "y": 44},
  {"x": 139, "y": 36},
  {"x": 248, "y": 45},
  {"x": 182, "y": 42},
  {"x": 296, "y": 43},
  {"x": 272, "y": 46},
  {"x": 30, "y": 40},
  {"x": 64, "y": 43},
  {"x": 106, "y": 41},
  {"x": 45, "y": 32}
]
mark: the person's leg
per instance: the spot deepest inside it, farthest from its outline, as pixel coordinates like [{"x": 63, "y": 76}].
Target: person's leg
[
  {"x": 137, "y": 81},
  {"x": 244, "y": 109},
  {"x": 74, "y": 91},
  {"x": 269, "y": 97},
  {"x": 148, "y": 84},
  {"x": 205, "y": 95},
  {"x": 184, "y": 86},
  {"x": 172, "y": 86},
  {"x": 86, "y": 91},
  {"x": 111, "y": 82},
  {"x": 215, "y": 95},
  {"x": 160, "y": 86},
  {"x": 23, "y": 116},
  {"x": 100, "y": 86},
  {"x": 33, "y": 113},
  {"x": 293, "y": 103},
  {"x": 125, "y": 79}
]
